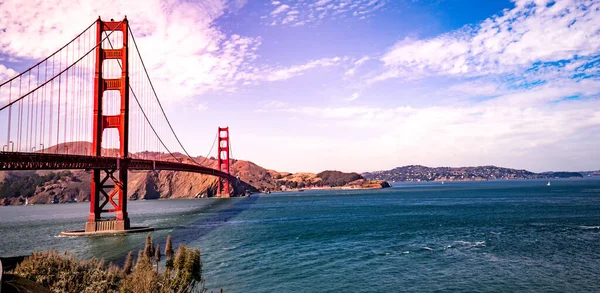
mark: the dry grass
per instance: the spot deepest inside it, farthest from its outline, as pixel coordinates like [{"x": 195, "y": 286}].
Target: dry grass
[{"x": 64, "y": 272}]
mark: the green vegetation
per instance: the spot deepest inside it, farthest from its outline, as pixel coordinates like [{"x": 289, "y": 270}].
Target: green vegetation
[
  {"x": 15, "y": 186},
  {"x": 563, "y": 174},
  {"x": 328, "y": 178},
  {"x": 66, "y": 273},
  {"x": 337, "y": 178}
]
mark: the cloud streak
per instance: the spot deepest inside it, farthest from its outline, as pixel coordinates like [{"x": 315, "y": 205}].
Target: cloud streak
[
  {"x": 519, "y": 39},
  {"x": 268, "y": 73},
  {"x": 301, "y": 13}
]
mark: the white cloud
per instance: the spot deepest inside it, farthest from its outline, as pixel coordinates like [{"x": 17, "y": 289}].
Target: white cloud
[
  {"x": 353, "y": 97},
  {"x": 288, "y": 19},
  {"x": 6, "y": 73},
  {"x": 280, "y": 9},
  {"x": 322, "y": 2},
  {"x": 186, "y": 54},
  {"x": 202, "y": 107},
  {"x": 475, "y": 89},
  {"x": 505, "y": 131},
  {"x": 316, "y": 11},
  {"x": 350, "y": 71},
  {"x": 283, "y": 73},
  {"x": 513, "y": 41},
  {"x": 6, "y": 91},
  {"x": 357, "y": 64},
  {"x": 271, "y": 104}
]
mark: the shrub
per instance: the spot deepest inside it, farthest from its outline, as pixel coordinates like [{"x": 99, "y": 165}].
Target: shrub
[
  {"x": 64, "y": 272},
  {"x": 337, "y": 178}
]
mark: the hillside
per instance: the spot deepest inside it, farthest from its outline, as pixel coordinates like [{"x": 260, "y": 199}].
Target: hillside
[
  {"x": 590, "y": 173},
  {"x": 74, "y": 186},
  {"x": 422, "y": 173}
]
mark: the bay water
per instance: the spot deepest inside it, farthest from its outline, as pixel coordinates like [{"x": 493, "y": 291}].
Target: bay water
[{"x": 513, "y": 236}]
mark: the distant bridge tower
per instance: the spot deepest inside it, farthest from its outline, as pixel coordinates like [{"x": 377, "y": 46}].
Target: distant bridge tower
[
  {"x": 101, "y": 183},
  {"x": 223, "y": 157}
]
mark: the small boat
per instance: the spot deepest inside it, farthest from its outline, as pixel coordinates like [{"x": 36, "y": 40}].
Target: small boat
[
  {"x": 26, "y": 201},
  {"x": 548, "y": 184}
]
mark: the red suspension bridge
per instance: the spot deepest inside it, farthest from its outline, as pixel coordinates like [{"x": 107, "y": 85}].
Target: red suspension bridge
[{"x": 97, "y": 89}]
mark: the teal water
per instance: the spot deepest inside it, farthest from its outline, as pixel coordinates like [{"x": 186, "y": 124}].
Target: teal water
[{"x": 512, "y": 236}]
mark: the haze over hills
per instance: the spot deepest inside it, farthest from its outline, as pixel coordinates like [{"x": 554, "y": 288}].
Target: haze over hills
[{"x": 423, "y": 173}]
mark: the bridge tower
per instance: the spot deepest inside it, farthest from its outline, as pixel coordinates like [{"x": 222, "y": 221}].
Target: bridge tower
[
  {"x": 106, "y": 184},
  {"x": 223, "y": 158}
]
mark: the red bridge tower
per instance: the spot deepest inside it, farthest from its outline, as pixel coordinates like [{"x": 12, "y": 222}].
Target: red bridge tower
[
  {"x": 223, "y": 157},
  {"x": 105, "y": 187}
]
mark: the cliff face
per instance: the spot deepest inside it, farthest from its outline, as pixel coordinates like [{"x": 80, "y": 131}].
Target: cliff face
[{"x": 142, "y": 185}]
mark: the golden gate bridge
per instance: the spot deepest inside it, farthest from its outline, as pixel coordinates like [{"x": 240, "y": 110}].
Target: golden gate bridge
[{"x": 92, "y": 105}]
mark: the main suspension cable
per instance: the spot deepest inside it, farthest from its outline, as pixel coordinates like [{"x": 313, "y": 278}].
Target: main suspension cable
[
  {"x": 59, "y": 74},
  {"x": 142, "y": 109},
  {"x": 42, "y": 61},
  {"x": 213, "y": 145},
  {"x": 156, "y": 96}
]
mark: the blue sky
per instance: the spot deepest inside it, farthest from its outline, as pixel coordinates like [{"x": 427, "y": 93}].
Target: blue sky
[{"x": 360, "y": 85}]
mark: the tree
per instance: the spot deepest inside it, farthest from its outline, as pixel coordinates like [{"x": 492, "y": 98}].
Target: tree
[
  {"x": 180, "y": 257},
  {"x": 64, "y": 272},
  {"x": 149, "y": 248},
  {"x": 140, "y": 260},
  {"x": 169, "y": 252},
  {"x": 128, "y": 266},
  {"x": 157, "y": 256}
]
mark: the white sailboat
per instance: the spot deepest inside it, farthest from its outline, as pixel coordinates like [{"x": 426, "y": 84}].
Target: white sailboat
[
  {"x": 26, "y": 201},
  {"x": 548, "y": 184}
]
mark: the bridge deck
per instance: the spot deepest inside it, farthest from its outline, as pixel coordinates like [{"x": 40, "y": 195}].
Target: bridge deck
[{"x": 41, "y": 161}]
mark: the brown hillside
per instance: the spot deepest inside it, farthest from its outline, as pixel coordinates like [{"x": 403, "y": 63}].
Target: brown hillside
[{"x": 163, "y": 184}]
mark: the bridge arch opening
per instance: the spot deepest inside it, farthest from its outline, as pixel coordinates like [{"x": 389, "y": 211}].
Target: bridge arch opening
[
  {"x": 111, "y": 69},
  {"x": 111, "y": 102},
  {"x": 114, "y": 41}
]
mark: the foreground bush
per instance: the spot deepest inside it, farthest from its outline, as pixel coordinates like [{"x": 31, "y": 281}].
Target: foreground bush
[{"x": 64, "y": 272}]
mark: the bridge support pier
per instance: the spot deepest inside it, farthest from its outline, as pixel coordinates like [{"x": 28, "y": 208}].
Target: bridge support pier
[{"x": 117, "y": 187}]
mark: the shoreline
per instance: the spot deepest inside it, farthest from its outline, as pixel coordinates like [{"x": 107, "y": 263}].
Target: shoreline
[
  {"x": 339, "y": 188},
  {"x": 193, "y": 198}
]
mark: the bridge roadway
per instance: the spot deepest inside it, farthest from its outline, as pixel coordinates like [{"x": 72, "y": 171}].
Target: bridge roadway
[{"x": 42, "y": 161}]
